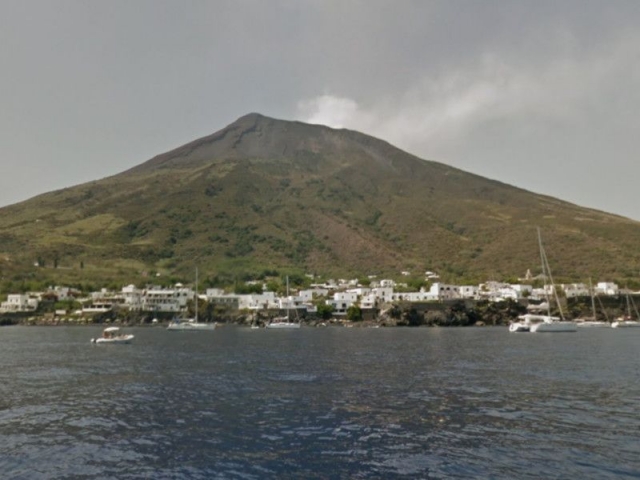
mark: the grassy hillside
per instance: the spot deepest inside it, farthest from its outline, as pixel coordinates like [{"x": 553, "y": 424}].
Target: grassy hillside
[{"x": 265, "y": 194}]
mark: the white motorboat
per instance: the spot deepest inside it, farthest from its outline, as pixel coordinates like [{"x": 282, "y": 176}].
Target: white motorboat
[{"x": 112, "y": 335}]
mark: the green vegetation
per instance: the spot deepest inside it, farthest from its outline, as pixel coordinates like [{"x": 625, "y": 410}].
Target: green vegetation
[
  {"x": 354, "y": 314},
  {"x": 288, "y": 199}
]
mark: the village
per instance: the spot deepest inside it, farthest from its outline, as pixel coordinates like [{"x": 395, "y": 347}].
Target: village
[{"x": 338, "y": 296}]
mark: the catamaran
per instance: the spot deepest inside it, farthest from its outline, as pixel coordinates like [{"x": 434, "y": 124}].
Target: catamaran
[
  {"x": 191, "y": 324},
  {"x": 593, "y": 321},
  {"x": 284, "y": 322},
  {"x": 627, "y": 320},
  {"x": 544, "y": 323}
]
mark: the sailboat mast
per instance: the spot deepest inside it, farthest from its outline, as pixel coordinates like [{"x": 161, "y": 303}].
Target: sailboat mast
[
  {"x": 287, "y": 298},
  {"x": 547, "y": 268},
  {"x": 593, "y": 300},
  {"x": 196, "y": 294},
  {"x": 544, "y": 272}
]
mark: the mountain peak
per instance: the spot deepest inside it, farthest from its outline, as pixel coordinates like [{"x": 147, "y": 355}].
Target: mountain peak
[{"x": 252, "y": 135}]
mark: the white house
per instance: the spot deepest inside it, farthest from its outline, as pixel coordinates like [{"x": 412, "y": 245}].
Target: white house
[
  {"x": 468, "y": 291},
  {"x": 63, "y": 293},
  {"x": 444, "y": 291},
  {"x": 256, "y": 301},
  {"x": 19, "y": 303},
  {"x": 309, "y": 294},
  {"x": 341, "y": 302},
  {"x": 368, "y": 301},
  {"x": 607, "y": 288},
  {"x": 576, "y": 290},
  {"x": 383, "y": 294}
]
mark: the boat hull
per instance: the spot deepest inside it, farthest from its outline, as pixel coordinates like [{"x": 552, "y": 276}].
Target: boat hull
[
  {"x": 191, "y": 326},
  {"x": 123, "y": 339},
  {"x": 517, "y": 327},
  {"x": 588, "y": 324},
  {"x": 283, "y": 325},
  {"x": 552, "y": 327},
  {"x": 625, "y": 324}
]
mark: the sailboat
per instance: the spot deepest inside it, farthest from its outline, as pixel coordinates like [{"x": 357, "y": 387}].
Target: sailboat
[
  {"x": 626, "y": 321},
  {"x": 549, "y": 323},
  {"x": 283, "y": 322},
  {"x": 191, "y": 324},
  {"x": 593, "y": 321}
]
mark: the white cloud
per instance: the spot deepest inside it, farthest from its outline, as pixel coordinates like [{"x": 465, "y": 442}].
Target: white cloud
[
  {"x": 438, "y": 112},
  {"x": 333, "y": 111}
]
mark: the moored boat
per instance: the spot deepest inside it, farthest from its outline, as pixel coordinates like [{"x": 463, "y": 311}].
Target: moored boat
[
  {"x": 112, "y": 335},
  {"x": 191, "y": 324},
  {"x": 284, "y": 322},
  {"x": 627, "y": 321},
  {"x": 548, "y": 323},
  {"x": 554, "y": 326}
]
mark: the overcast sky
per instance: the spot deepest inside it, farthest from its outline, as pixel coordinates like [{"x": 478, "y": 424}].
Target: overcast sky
[{"x": 543, "y": 95}]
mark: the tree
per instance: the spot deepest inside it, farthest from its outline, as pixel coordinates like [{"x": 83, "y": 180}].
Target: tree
[
  {"x": 354, "y": 313},
  {"x": 325, "y": 311}
]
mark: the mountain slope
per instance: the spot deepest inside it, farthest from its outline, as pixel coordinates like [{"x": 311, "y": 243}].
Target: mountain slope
[{"x": 272, "y": 194}]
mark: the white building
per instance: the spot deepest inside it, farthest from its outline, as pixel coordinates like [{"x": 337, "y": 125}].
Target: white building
[
  {"x": 382, "y": 294},
  {"x": 309, "y": 294},
  {"x": 61, "y": 293},
  {"x": 368, "y": 301},
  {"x": 576, "y": 290},
  {"x": 341, "y": 302},
  {"x": 468, "y": 291},
  {"x": 256, "y": 301},
  {"x": 132, "y": 297},
  {"x": 607, "y": 288},
  {"x": 444, "y": 291},
  {"x": 174, "y": 300},
  {"x": 19, "y": 303}
]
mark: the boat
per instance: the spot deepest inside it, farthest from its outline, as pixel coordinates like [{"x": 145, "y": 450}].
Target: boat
[
  {"x": 526, "y": 321},
  {"x": 191, "y": 324},
  {"x": 627, "y": 320},
  {"x": 548, "y": 323},
  {"x": 112, "y": 335},
  {"x": 284, "y": 322},
  {"x": 592, "y": 322},
  {"x": 515, "y": 327},
  {"x": 551, "y": 325}
]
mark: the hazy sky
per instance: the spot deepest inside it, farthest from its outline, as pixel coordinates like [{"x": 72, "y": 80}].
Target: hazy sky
[{"x": 544, "y": 95}]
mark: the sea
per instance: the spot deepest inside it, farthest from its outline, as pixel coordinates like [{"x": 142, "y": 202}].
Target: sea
[{"x": 320, "y": 403}]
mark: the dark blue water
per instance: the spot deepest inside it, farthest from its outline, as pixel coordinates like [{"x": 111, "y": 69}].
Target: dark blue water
[{"x": 320, "y": 403}]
